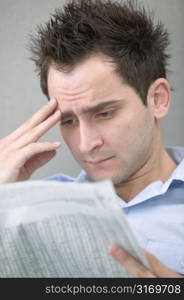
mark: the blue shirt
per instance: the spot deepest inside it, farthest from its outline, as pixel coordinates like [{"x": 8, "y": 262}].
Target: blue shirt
[{"x": 156, "y": 214}]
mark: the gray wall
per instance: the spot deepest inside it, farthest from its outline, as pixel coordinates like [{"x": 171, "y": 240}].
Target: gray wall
[{"x": 20, "y": 94}]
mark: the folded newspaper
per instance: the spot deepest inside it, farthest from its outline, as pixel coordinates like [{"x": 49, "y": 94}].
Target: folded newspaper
[{"x": 62, "y": 230}]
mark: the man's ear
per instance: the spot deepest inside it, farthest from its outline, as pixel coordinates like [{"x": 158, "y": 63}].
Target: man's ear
[{"x": 159, "y": 98}]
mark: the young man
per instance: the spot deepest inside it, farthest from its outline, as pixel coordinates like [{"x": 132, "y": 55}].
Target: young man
[{"x": 103, "y": 65}]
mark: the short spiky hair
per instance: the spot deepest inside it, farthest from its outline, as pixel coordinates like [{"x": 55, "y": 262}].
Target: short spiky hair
[{"x": 124, "y": 31}]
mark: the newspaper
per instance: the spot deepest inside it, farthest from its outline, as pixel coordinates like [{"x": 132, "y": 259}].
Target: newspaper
[{"x": 62, "y": 230}]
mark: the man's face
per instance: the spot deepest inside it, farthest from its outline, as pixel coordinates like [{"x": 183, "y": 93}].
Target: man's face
[{"x": 106, "y": 126}]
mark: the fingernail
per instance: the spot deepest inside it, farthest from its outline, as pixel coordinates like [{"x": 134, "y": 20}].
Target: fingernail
[
  {"x": 114, "y": 249},
  {"x": 57, "y": 113},
  {"x": 57, "y": 144},
  {"x": 52, "y": 101}
]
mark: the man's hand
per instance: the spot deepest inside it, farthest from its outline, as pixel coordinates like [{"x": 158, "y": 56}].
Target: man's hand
[
  {"x": 136, "y": 269},
  {"x": 21, "y": 153}
]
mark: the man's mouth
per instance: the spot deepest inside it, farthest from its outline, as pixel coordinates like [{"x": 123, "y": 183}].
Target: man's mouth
[{"x": 97, "y": 161}]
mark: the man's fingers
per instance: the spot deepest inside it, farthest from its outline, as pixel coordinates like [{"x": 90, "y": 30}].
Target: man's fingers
[
  {"x": 41, "y": 115},
  {"x": 26, "y": 153},
  {"x": 159, "y": 268},
  {"x": 36, "y": 148},
  {"x": 21, "y": 154},
  {"x": 135, "y": 268},
  {"x": 37, "y": 161},
  {"x": 34, "y": 134}
]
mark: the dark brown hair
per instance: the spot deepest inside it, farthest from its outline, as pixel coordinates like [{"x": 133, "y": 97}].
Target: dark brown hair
[{"x": 124, "y": 31}]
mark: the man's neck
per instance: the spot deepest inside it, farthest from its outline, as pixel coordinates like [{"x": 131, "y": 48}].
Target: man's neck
[{"x": 160, "y": 169}]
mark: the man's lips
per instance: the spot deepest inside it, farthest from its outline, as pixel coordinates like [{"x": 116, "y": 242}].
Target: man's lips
[{"x": 97, "y": 162}]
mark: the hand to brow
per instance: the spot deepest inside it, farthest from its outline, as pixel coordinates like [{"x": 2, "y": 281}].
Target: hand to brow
[{"x": 21, "y": 153}]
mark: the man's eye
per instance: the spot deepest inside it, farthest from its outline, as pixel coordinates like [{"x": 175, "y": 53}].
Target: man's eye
[
  {"x": 67, "y": 122},
  {"x": 106, "y": 114}
]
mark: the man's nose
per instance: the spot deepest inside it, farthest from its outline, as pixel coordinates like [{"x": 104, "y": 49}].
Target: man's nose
[{"x": 90, "y": 138}]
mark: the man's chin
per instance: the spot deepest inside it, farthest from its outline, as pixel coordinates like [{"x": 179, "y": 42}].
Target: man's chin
[
  {"x": 101, "y": 177},
  {"x": 114, "y": 178},
  {"x": 98, "y": 177}
]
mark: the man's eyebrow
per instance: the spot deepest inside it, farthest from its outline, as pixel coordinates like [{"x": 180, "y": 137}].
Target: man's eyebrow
[{"x": 92, "y": 109}]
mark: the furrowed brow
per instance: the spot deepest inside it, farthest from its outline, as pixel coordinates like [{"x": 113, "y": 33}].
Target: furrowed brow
[
  {"x": 67, "y": 115},
  {"x": 99, "y": 106},
  {"x": 90, "y": 110}
]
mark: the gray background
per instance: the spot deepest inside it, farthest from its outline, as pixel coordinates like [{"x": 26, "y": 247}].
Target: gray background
[{"x": 20, "y": 94}]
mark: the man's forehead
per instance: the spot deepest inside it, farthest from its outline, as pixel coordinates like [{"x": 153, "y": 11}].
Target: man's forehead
[{"x": 93, "y": 73}]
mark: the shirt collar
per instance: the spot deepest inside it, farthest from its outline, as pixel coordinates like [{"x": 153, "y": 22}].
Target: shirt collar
[{"x": 158, "y": 187}]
